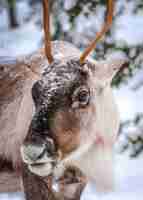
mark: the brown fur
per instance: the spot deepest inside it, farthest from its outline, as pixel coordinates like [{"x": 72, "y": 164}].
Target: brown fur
[
  {"x": 66, "y": 131},
  {"x": 16, "y": 105}
]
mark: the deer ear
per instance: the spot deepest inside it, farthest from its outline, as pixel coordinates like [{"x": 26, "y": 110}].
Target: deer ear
[
  {"x": 107, "y": 69},
  {"x": 114, "y": 65}
]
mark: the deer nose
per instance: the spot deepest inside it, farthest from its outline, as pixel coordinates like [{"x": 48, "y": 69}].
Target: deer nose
[{"x": 31, "y": 153}]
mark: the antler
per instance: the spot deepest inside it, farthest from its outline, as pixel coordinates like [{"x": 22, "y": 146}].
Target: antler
[
  {"x": 99, "y": 35},
  {"x": 46, "y": 20}
]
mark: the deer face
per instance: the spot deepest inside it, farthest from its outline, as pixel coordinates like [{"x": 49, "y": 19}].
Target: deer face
[
  {"x": 65, "y": 93},
  {"x": 75, "y": 107},
  {"x": 77, "y": 101}
]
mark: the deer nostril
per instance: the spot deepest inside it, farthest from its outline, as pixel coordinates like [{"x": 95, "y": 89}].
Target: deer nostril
[
  {"x": 2, "y": 69},
  {"x": 33, "y": 152},
  {"x": 50, "y": 147}
]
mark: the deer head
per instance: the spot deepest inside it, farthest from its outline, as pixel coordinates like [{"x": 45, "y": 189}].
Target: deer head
[
  {"x": 75, "y": 107},
  {"x": 75, "y": 112}
]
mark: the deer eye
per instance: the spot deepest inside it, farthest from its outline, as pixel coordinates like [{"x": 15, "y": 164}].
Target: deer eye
[{"x": 81, "y": 97}]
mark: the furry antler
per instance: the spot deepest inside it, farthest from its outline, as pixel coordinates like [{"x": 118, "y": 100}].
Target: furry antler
[
  {"x": 99, "y": 35},
  {"x": 46, "y": 20}
]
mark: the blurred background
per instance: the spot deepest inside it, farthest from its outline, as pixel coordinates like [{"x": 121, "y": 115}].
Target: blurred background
[{"x": 77, "y": 21}]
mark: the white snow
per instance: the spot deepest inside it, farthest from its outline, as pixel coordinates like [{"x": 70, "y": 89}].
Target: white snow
[
  {"x": 4, "y": 20},
  {"x": 12, "y": 196},
  {"x": 23, "y": 41},
  {"x": 68, "y": 4},
  {"x": 129, "y": 181},
  {"x": 130, "y": 101},
  {"x": 126, "y": 33}
]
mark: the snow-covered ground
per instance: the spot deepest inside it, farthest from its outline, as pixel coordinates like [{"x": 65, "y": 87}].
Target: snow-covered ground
[
  {"x": 129, "y": 181},
  {"x": 129, "y": 172},
  {"x": 12, "y": 196}
]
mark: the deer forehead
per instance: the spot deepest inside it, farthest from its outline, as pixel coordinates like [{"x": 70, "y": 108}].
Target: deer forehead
[
  {"x": 62, "y": 79},
  {"x": 64, "y": 73}
]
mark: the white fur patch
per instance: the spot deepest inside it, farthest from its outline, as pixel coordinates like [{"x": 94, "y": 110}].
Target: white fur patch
[{"x": 96, "y": 160}]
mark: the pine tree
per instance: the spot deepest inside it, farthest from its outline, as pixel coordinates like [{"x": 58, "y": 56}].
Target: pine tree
[{"x": 11, "y": 8}]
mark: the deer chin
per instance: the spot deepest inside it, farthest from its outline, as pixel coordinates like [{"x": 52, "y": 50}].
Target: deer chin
[
  {"x": 95, "y": 160},
  {"x": 97, "y": 165},
  {"x": 42, "y": 169}
]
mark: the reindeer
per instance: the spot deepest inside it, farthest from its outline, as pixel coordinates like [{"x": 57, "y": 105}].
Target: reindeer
[{"x": 58, "y": 118}]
